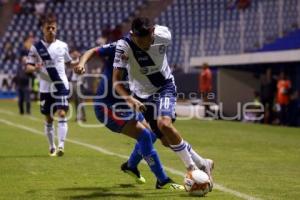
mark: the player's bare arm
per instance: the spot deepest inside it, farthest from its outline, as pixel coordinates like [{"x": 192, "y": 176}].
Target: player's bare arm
[
  {"x": 72, "y": 64},
  {"x": 30, "y": 68},
  {"x": 132, "y": 102},
  {"x": 80, "y": 67}
]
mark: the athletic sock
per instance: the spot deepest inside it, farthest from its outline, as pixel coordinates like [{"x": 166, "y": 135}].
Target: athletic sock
[
  {"x": 150, "y": 155},
  {"x": 62, "y": 129},
  {"x": 49, "y": 131},
  {"x": 136, "y": 155},
  {"x": 182, "y": 151},
  {"x": 200, "y": 162}
]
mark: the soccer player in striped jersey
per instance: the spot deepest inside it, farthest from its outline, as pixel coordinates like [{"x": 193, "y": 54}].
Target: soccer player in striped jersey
[
  {"x": 49, "y": 57},
  {"x": 143, "y": 56},
  {"x": 118, "y": 117}
]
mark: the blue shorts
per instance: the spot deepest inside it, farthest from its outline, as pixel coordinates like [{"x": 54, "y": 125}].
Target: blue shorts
[
  {"x": 49, "y": 103},
  {"x": 115, "y": 116},
  {"x": 161, "y": 103}
]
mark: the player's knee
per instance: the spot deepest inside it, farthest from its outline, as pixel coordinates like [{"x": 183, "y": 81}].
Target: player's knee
[
  {"x": 164, "y": 125},
  {"x": 145, "y": 135},
  {"x": 49, "y": 119},
  {"x": 62, "y": 113},
  {"x": 164, "y": 142},
  {"x": 153, "y": 137}
]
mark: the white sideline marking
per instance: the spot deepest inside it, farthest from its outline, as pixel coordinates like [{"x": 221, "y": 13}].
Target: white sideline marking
[{"x": 105, "y": 151}]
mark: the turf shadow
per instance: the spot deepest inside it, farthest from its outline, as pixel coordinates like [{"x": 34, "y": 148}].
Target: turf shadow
[
  {"x": 24, "y": 156},
  {"x": 97, "y": 192}
]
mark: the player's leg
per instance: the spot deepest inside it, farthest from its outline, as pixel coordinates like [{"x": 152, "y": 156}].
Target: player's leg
[
  {"x": 137, "y": 131},
  {"x": 199, "y": 161},
  {"x": 62, "y": 125},
  {"x": 105, "y": 115},
  {"x": 175, "y": 141},
  {"x": 49, "y": 131},
  {"x": 136, "y": 156},
  {"x": 21, "y": 101},
  {"x": 45, "y": 108},
  {"x": 128, "y": 124},
  {"x": 190, "y": 158},
  {"x": 131, "y": 165},
  {"x": 27, "y": 101}
]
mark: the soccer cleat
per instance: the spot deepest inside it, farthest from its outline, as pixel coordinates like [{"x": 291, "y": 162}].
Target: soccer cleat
[
  {"x": 134, "y": 173},
  {"x": 52, "y": 152},
  {"x": 208, "y": 167},
  {"x": 60, "y": 152},
  {"x": 169, "y": 184}
]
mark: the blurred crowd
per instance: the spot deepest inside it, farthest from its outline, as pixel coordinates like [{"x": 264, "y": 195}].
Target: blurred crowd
[{"x": 281, "y": 102}]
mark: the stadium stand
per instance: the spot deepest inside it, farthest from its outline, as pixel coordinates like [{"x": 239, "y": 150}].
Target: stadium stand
[
  {"x": 291, "y": 41},
  {"x": 80, "y": 24},
  {"x": 188, "y": 19}
]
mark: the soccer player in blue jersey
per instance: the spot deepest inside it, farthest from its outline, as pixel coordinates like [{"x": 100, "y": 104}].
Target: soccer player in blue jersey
[
  {"x": 118, "y": 117},
  {"x": 49, "y": 57},
  {"x": 143, "y": 56}
]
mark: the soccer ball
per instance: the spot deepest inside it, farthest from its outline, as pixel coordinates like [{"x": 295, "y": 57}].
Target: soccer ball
[{"x": 196, "y": 183}]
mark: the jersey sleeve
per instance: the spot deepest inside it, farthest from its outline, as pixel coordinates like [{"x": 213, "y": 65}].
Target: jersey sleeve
[
  {"x": 67, "y": 56},
  {"x": 121, "y": 55},
  {"x": 105, "y": 50},
  {"x": 32, "y": 57},
  {"x": 164, "y": 34}
]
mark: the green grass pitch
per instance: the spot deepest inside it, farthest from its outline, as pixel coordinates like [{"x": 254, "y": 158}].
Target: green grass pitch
[{"x": 257, "y": 160}]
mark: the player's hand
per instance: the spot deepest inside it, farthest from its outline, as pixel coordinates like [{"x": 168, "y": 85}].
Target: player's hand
[
  {"x": 79, "y": 69},
  {"x": 38, "y": 67},
  {"x": 136, "y": 105}
]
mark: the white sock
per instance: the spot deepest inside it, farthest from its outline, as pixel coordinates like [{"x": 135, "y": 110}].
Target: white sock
[
  {"x": 62, "y": 129},
  {"x": 182, "y": 151},
  {"x": 200, "y": 162},
  {"x": 49, "y": 131}
]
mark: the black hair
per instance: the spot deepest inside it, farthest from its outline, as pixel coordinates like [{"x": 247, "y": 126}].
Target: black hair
[
  {"x": 141, "y": 26},
  {"x": 48, "y": 19}
]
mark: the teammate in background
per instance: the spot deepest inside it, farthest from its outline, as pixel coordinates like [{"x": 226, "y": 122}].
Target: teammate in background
[
  {"x": 143, "y": 56},
  {"x": 118, "y": 117},
  {"x": 50, "y": 56}
]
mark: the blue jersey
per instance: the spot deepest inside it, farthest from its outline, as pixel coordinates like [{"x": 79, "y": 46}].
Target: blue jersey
[
  {"x": 107, "y": 112},
  {"x": 107, "y": 52},
  {"x": 105, "y": 88}
]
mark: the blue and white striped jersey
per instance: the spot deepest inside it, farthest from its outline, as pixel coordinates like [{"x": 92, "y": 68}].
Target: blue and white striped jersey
[
  {"x": 147, "y": 70},
  {"x": 52, "y": 57}
]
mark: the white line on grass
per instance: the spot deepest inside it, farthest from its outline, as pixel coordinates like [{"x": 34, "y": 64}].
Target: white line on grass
[{"x": 105, "y": 151}]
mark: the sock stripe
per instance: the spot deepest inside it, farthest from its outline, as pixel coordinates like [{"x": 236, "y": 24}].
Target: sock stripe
[
  {"x": 63, "y": 121},
  {"x": 48, "y": 124},
  {"x": 180, "y": 148},
  {"x": 189, "y": 147}
]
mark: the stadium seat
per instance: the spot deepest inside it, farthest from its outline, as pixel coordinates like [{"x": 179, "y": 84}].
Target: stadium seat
[{"x": 76, "y": 18}]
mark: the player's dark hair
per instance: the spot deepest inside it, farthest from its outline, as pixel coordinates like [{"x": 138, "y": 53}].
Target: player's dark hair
[
  {"x": 48, "y": 19},
  {"x": 141, "y": 26}
]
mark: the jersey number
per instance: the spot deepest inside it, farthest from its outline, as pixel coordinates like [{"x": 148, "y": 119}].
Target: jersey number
[{"x": 164, "y": 103}]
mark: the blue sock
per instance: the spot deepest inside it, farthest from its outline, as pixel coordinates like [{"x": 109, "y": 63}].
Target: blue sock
[
  {"x": 136, "y": 155},
  {"x": 150, "y": 155}
]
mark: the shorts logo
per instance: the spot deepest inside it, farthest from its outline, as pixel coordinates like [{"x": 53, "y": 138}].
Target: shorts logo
[
  {"x": 162, "y": 49},
  {"x": 144, "y": 70},
  {"x": 43, "y": 103}
]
